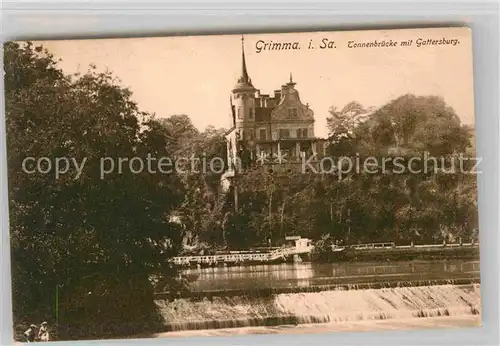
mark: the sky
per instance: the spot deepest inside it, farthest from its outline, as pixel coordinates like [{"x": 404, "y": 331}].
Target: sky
[{"x": 194, "y": 75}]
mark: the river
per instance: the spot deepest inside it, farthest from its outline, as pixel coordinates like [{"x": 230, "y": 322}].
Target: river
[
  {"x": 436, "y": 301},
  {"x": 309, "y": 274}
]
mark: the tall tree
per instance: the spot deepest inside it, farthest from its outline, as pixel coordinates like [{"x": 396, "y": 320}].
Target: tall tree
[{"x": 84, "y": 247}]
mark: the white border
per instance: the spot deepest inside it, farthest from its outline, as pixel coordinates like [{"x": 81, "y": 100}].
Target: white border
[{"x": 79, "y": 19}]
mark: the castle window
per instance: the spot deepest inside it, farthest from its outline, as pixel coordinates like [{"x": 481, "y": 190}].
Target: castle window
[
  {"x": 301, "y": 133},
  {"x": 240, "y": 115},
  {"x": 284, "y": 133},
  {"x": 248, "y": 135},
  {"x": 262, "y": 134},
  {"x": 250, "y": 113},
  {"x": 292, "y": 112}
]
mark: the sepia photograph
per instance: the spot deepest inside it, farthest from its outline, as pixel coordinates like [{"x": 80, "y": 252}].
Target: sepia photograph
[{"x": 219, "y": 185}]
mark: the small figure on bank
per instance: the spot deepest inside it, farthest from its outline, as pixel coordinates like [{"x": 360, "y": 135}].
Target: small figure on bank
[
  {"x": 30, "y": 333},
  {"x": 43, "y": 332}
]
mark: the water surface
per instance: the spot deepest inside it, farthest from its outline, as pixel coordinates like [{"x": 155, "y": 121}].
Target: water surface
[{"x": 311, "y": 274}]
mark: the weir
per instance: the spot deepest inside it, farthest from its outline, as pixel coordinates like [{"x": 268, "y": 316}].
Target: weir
[
  {"x": 269, "y": 291},
  {"x": 335, "y": 306}
]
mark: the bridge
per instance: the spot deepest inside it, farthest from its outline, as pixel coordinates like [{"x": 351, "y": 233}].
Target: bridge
[
  {"x": 302, "y": 246},
  {"x": 241, "y": 257}
]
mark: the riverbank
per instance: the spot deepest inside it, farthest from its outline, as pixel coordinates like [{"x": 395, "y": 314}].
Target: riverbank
[{"x": 409, "y": 253}]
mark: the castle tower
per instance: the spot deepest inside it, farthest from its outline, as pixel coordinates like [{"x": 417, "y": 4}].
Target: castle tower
[
  {"x": 243, "y": 98},
  {"x": 272, "y": 133}
]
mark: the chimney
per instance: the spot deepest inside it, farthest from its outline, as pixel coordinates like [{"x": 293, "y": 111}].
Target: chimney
[
  {"x": 277, "y": 95},
  {"x": 265, "y": 99}
]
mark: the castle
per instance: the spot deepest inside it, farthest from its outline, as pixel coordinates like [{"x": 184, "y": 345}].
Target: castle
[{"x": 276, "y": 132}]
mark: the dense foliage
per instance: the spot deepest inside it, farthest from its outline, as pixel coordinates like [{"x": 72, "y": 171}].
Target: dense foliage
[
  {"x": 84, "y": 249},
  {"x": 433, "y": 202}
]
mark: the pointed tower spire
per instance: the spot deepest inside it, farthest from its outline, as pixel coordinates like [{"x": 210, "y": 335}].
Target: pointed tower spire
[
  {"x": 244, "y": 73},
  {"x": 291, "y": 79},
  {"x": 244, "y": 82}
]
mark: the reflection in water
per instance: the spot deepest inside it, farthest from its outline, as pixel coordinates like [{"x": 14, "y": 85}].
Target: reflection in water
[{"x": 309, "y": 274}]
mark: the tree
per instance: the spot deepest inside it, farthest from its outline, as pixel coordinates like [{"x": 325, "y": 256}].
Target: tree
[
  {"x": 423, "y": 123},
  {"x": 411, "y": 206},
  {"x": 95, "y": 241},
  {"x": 201, "y": 212}
]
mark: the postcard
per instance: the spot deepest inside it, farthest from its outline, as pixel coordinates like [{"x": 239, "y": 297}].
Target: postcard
[{"x": 242, "y": 184}]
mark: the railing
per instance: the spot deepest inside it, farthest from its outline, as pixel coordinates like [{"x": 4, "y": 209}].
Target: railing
[
  {"x": 283, "y": 252},
  {"x": 393, "y": 245},
  {"x": 373, "y": 246},
  {"x": 239, "y": 257},
  {"x": 220, "y": 258}
]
